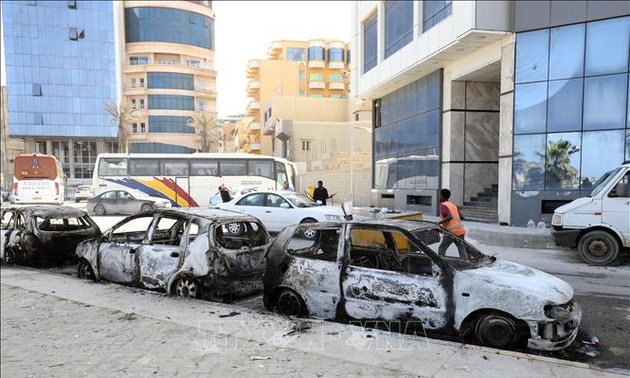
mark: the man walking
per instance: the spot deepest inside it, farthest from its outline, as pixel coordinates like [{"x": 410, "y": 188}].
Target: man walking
[
  {"x": 320, "y": 193},
  {"x": 451, "y": 221}
]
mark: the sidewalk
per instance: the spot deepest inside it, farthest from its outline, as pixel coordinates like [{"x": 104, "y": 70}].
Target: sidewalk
[{"x": 219, "y": 339}]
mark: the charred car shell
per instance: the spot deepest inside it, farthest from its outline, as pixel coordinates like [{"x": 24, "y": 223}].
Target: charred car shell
[
  {"x": 44, "y": 235},
  {"x": 390, "y": 271},
  {"x": 202, "y": 253}
]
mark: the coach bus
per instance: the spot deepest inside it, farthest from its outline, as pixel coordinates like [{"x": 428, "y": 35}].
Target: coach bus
[
  {"x": 38, "y": 178},
  {"x": 189, "y": 180}
]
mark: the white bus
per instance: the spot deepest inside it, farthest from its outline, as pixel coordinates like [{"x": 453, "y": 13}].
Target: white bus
[
  {"x": 38, "y": 178},
  {"x": 189, "y": 180}
]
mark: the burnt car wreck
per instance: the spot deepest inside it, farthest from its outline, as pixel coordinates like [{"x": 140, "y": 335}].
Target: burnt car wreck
[
  {"x": 390, "y": 271},
  {"x": 44, "y": 235},
  {"x": 202, "y": 253}
]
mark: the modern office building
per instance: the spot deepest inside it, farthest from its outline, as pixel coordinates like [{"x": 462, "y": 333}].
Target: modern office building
[
  {"x": 515, "y": 106},
  {"x": 168, "y": 72},
  {"x": 65, "y": 60}
]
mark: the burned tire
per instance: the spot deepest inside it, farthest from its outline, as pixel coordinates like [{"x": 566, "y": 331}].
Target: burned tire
[
  {"x": 289, "y": 303},
  {"x": 146, "y": 207},
  {"x": 309, "y": 234},
  {"x": 497, "y": 331},
  {"x": 598, "y": 248},
  {"x": 186, "y": 287},
  {"x": 85, "y": 271},
  {"x": 99, "y": 210}
]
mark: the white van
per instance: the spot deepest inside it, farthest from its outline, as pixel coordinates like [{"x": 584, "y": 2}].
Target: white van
[{"x": 598, "y": 225}]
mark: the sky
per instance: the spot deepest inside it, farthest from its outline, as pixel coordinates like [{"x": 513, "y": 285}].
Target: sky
[{"x": 244, "y": 30}]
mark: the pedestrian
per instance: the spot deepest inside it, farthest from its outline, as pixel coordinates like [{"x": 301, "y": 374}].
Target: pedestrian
[
  {"x": 451, "y": 221},
  {"x": 225, "y": 193},
  {"x": 287, "y": 188},
  {"x": 321, "y": 194}
]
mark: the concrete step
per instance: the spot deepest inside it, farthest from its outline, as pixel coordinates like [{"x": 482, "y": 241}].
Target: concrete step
[{"x": 483, "y": 205}]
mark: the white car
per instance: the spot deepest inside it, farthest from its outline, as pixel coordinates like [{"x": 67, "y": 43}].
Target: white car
[
  {"x": 234, "y": 193},
  {"x": 279, "y": 209}
]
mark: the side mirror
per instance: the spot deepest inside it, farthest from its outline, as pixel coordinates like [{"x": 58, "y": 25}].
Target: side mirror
[
  {"x": 319, "y": 202},
  {"x": 285, "y": 205}
]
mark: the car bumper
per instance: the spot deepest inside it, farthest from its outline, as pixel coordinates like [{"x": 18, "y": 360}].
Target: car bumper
[
  {"x": 556, "y": 335},
  {"x": 565, "y": 238}
]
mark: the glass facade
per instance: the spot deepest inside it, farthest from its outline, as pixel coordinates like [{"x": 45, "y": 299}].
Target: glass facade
[
  {"x": 159, "y": 148},
  {"x": 170, "y": 80},
  {"x": 149, "y": 24},
  {"x": 407, "y": 136},
  {"x": 571, "y": 106},
  {"x": 398, "y": 25},
  {"x": 295, "y": 54},
  {"x": 169, "y": 124},
  {"x": 434, "y": 11},
  {"x": 370, "y": 40},
  {"x": 173, "y": 102},
  {"x": 59, "y": 86}
]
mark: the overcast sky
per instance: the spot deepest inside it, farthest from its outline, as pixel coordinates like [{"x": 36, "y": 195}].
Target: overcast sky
[{"x": 244, "y": 30}]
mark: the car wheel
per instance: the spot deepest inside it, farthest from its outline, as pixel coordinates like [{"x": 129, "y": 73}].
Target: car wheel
[
  {"x": 99, "y": 210},
  {"x": 186, "y": 287},
  {"x": 598, "y": 248},
  {"x": 85, "y": 271},
  {"x": 146, "y": 207},
  {"x": 496, "y": 331},
  {"x": 235, "y": 228},
  {"x": 309, "y": 234},
  {"x": 289, "y": 303},
  {"x": 9, "y": 256}
]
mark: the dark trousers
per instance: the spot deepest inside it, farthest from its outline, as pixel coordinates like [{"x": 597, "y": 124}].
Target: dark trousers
[{"x": 447, "y": 240}]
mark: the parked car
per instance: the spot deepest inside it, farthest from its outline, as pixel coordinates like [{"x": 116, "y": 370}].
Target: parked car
[
  {"x": 83, "y": 192},
  {"x": 7, "y": 215},
  {"x": 124, "y": 201},
  {"x": 279, "y": 209},
  {"x": 234, "y": 193},
  {"x": 390, "y": 271},
  {"x": 187, "y": 252},
  {"x": 44, "y": 235}
]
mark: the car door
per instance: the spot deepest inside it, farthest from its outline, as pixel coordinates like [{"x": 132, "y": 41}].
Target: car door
[
  {"x": 8, "y": 221},
  {"x": 126, "y": 203},
  {"x": 375, "y": 287},
  {"x": 616, "y": 207},
  {"x": 254, "y": 204},
  {"x": 162, "y": 253},
  {"x": 108, "y": 201},
  {"x": 118, "y": 257},
  {"x": 279, "y": 212}
]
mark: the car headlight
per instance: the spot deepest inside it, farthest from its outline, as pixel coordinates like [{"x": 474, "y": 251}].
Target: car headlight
[
  {"x": 556, "y": 220},
  {"x": 332, "y": 217},
  {"x": 561, "y": 312}
]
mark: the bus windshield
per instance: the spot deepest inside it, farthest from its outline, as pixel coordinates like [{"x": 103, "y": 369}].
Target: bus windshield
[
  {"x": 29, "y": 167},
  {"x": 38, "y": 178}
]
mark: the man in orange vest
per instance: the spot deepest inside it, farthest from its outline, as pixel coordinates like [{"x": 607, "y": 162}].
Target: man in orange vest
[{"x": 451, "y": 221}]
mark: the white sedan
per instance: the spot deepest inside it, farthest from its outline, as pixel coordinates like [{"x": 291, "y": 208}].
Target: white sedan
[{"x": 279, "y": 209}]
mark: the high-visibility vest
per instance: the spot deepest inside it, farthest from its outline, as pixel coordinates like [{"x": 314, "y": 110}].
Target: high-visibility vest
[{"x": 455, "y": 225}]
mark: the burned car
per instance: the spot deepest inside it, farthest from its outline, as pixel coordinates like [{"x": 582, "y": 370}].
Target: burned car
[
  {"x": 44, "y": 235},
  {"x": 390, "y": 272},
  {"x": 201, "y": 253}
]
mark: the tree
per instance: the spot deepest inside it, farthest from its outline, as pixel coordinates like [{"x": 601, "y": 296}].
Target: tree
[
  {"x": 560, "y": 172},
  {"x": 123, "y": 116},
  {"x": 208, "y": 127}
]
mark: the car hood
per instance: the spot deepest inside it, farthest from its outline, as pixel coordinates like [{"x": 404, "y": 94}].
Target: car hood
[
  {"x": 507, "y": 274},
  {"x": 323, "y": 209},
  {"x": 575, "y": 204}
]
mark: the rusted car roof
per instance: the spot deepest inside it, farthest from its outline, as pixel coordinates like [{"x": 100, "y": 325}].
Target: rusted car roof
[
  {"x": 212, "y": 214},
  {"x": 52, "y": 211}
]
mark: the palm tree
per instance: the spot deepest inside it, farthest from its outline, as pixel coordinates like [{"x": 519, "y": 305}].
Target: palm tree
[
  {"x": 208, "y": 127},
  {"x": 560, "y": 171},
  {"x": 123, "y": 116}
]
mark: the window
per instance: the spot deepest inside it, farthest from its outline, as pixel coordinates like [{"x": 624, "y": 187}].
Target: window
[
  {"x": 398, "y": 25},
  {"x": 563, "y": 95},
  {"x": 529, "y": 155},
  {"x": 133, "y": 103},
  {"x": 141, "y": 82},
  {"x": 333, "y": 78},
  {"x": 566, "y": 52},
  {"x": 295, "y": 54},
  {"x": 40, "y": 146},
  {"x": 233, "y": 167},
  {"x": 255, "y": 199},
  {"x": 170, "y": 124},
  {"x": 172, "y": 167},
  {"x": 369, "y": 44},
  {"x": 530, "y": 107},
  {"x": 201, "y": 106},
  {"x": 170, "y": 80},
  {"x": 316, "y": 53},
  {"x": 316, "y": 77},
  {"x": 133, "y": 82},
  {"x": 138, "y": 60},
  {"x": 324, "y": 246},
  {"x": 132, "y": 231},
  {"x": 141, "y": 103},
  {"x": 112, "y": 167},
  {"x": 434, "y": 11},
  {"x": 204, "y": 167},
  {"x": 605, "y": 102},
  {"x": 193, "y": 63},
  {"x": 260, "y": 168},
  {"x": 335, "y": 54},
  {"x": 134, "y": 128},
  {"x": 532, "y": 55},
  {"x": 37, "y": 89},
  {"x": 174, "y": 102},
  {"x": 607, "y": 46},
  {"x": 143, "y": 128},
  {"x": 38, "y": 118},
  {"x": 73, "y": 34},
  {"x": 144, "y": 167},
  {"x": 306, "y": 145}
]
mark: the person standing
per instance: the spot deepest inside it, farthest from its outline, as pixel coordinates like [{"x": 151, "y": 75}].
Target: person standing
[
  {"x": 225, "y": 193},
  {"x": 287, "y": 188},
  {"x": 321, "y": 193},
  {"x": 451, "y": 221}
]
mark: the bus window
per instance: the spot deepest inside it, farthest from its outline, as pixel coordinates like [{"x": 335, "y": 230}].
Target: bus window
[
  {"x": 144, "y": 167},
  {"x": 281, "y": 174},
  {"x": 260, "y": 168},
  {"x": 172, "y": 167},
  {"x": 112, "y": 167},
  {"x": 233, "y": 167},
  {"x": 204, "y": 167}
]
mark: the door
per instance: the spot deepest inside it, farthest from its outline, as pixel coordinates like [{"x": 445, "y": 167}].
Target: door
[
  {"x": 162, "y": 253},
  {"x": 254, "y": 204},
  {"x": 278, "y": 212},
  {"x": 375, "y": 286},
  {"x": 616, "y": 207},
  {"x": 118, "y": 254}
]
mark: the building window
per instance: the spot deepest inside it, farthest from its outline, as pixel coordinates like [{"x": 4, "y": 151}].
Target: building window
[
  {"x": 37, "y": 89},
  {"x": 170, "y": 80},
  {"x": 369, "y": 44},
  {"x": 134, "y": 128},
  {"x": 133, "y": 82},
  {"x": 201, "y": 106},
  {"x": 316, "y": 53},
  {"x": 295, "y": 54},
  {"x": 434, "y": 11},
  {"x": 40, "y": 147},
  {"x": 306, "y": 145},
  {"x": 174, "y": 102},
  {"x": 143, "y": 128},
  {"x": 316, "y": 77},
  {"x": 73, "y": 34},
  {"x": 133, "y": 103},
  {"x": 142, "y": 82},
  {"x": 335, "y": 54},
  {"x": 398, "y": 25},
  {"x": 193, "y": 63},
  {"x": 141, "y": 103},
  {"x": 333, "y": 78},
  {"x": 38, "y": 118},
  {"x": 138, "y": 60}
]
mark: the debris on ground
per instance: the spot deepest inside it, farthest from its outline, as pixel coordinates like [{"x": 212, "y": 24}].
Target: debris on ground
[
  {"x": 128, "y": 316},
  {"x": 233, "y": 313},
  {"x": 589, "y": 347},
  {"x": 299, "y": 326}
]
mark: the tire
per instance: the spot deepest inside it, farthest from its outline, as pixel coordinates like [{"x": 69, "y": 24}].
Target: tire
[
  {"x": 186, "y": 287},
  {"x": 85, "y": 271},
  {"x": 234, "y": 228},
  {"x": 99, "y": 210},
  {"x": 289, "y": 303},
  {"x": 146, "y": 207},
  {"x": 309, "y": 234},
  {"x": 598, "y": 248},
  {"x": 497, "y": 331}
]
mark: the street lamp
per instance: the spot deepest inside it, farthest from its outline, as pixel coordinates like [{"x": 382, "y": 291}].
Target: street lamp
[{"x": 352, "y": 152}]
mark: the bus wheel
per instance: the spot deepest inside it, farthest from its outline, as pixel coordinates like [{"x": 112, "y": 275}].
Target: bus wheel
[{"x": 99, "y": 210}]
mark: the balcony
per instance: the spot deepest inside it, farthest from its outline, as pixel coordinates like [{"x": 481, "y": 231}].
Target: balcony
[
  {"x": 253, "y": 87},
  {"x": 316, "y": 85},
  {"x": 270, "y": 126},
  {"x": 253, "y": 147},
  {"x": 316, "y": 64},
  {"x": 253, "y": 64},
  {"x": 254, "y": 105},
  {"x": 275, "y": 50},
  {"x": 336, "y": 85},
  {"x": 254, "y": 128},
  {"x": 339, "y": 65}
]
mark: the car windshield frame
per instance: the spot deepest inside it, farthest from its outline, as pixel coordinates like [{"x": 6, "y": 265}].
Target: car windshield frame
[
  {"x": 604, "y": 180},
  {"x": 299, "y": 200}
]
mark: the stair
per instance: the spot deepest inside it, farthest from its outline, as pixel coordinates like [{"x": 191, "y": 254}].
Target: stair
[{"x": 483, "y": 207}]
